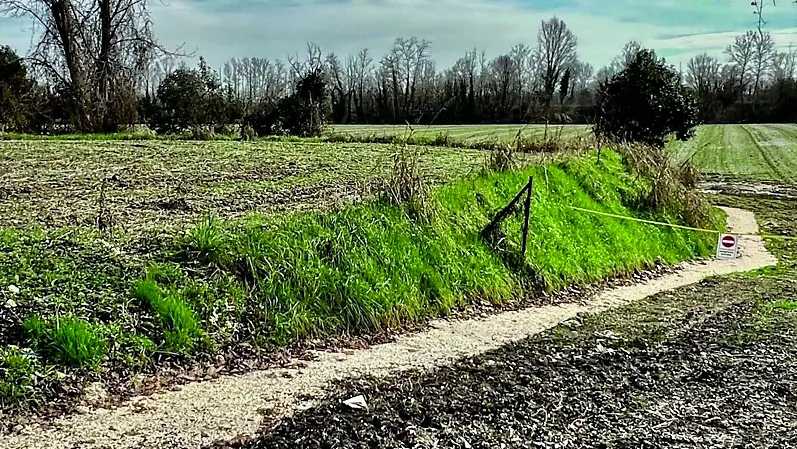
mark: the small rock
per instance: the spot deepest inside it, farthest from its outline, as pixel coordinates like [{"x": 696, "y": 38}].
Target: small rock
[
  {"x": 13, "y": 289},
  {"x": 357, "y": 402}
]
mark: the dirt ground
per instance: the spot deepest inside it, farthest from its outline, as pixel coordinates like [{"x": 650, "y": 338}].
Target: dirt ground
[{"x": 712, "y": 366}]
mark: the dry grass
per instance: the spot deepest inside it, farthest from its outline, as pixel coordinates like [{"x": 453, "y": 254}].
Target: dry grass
[{"x": 672, "y": 187}]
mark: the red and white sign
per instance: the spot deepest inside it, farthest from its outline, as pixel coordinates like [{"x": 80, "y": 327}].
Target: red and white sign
[{"x": 728, "y": 247}]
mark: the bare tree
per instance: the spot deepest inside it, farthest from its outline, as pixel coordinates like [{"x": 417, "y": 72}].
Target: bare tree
[
  {"x": 785, "y": 64},
  {"x": 98, "y": 51},
  {"x": 359, "y": 68},
  {"x": 582, "y": 74},
  {"x": 703, "y": 73},
  {"x": 740, "y": 53},
  {"x": 502, "y": 71},
  {"x": 556, "y": 51},
  {"x": 762, "y": 59},
  {"x": 620, "y": 62},
  {"x": 521, "y": 55},
  {"x": 313, "y": 62}
]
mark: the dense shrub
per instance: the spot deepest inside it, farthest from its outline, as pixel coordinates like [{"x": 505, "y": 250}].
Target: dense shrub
[
  {"x": 645, "y": 102},
  {"x": 306, "y": 112},
  {"x": 187, "y": 99},
  {"x": 20, "y": 98}
]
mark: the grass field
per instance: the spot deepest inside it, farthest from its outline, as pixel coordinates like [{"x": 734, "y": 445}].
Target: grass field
[
  {"x": 467, "y": 133},
  {"x": 754, "y": 152}
]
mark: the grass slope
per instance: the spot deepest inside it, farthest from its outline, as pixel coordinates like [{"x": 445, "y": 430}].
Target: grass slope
[{"x": 273, "y": 280}]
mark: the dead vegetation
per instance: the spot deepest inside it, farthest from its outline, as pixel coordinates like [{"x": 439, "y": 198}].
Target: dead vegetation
[{"x": 672, "y": 186}]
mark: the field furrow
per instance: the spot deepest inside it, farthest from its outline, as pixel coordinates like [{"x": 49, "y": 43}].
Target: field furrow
[{"x": 753, "y": 152}]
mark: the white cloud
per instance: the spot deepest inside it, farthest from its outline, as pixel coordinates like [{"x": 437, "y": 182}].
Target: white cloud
[
  {"x": 274, "y": 29},
  {"x": 454, "y": 27}
]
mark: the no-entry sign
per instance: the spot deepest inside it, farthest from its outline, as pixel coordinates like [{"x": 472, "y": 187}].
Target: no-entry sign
[{"x": 728, "y": 246}]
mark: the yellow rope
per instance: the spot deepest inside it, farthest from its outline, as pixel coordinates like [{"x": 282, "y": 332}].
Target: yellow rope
[{"x": 689, "y": 228}]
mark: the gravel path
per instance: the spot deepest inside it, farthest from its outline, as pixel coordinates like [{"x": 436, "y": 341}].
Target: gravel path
[{"x": 202, "y": 413}]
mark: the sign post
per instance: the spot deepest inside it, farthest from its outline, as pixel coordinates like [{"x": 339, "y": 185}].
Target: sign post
[{"x": 727, "y": 247}]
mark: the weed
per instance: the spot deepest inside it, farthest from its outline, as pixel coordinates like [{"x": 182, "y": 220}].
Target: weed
[
  {"x": 202, "y": 133},
  {"x": 18, "y": 378},
  {"x": 164, "y": 273},
  {"x": 248, "y": 133},
  {"x": 501, "y": 158},
  {"x": 128, "y": 349},
  {"x": 670, "y": 189},
  {"x": 406, "y": 184},
  {"x": 68, "y": 340},
  {"x": 181, "y": 329}
]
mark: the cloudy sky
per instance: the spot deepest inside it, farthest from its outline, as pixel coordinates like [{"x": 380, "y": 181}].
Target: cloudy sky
[{"x": 220, "y": 29}]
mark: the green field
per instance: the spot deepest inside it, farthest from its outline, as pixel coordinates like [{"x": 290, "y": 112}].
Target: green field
[
  {"x": 467, "y": 133},
  {"x": 754, "y": 152}
]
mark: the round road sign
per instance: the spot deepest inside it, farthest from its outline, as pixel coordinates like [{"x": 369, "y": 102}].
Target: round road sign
[{"x": 728, "y": 241}]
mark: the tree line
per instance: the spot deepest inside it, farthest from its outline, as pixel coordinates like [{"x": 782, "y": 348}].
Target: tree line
[{"x": 96, "y": 65}]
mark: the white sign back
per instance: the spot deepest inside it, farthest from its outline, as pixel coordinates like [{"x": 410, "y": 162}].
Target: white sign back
[{"x": 727, "y": 247}]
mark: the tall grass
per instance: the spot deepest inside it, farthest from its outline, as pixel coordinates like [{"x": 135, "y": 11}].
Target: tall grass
[
  {"x": 68, "y": 340},
  {"x": 181, "y": 330},
  {"x": 371, "y": 266}
]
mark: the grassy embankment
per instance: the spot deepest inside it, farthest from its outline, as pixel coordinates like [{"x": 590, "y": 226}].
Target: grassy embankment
[{"x": 232, "y": 287}]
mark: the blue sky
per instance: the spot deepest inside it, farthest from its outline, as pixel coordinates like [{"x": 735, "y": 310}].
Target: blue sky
[{"x": 677, "y": 29}]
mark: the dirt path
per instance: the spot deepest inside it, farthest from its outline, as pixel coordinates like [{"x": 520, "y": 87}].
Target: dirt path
[{"x": 202, "y": 413}]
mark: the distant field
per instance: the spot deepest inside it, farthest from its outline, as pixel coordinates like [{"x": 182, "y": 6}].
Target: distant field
[
  {"x": 471, "y": 133},
  {"x": 757, "y": 152}
]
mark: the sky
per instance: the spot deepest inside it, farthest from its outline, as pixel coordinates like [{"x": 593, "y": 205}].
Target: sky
[{"x": 221, "y": 29}]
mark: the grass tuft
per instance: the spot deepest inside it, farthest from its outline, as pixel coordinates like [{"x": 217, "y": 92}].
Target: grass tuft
[
  {"x": 207, "y": 240},
  {"x": 68, "y": 340},
  {"x": 784, "y": 305},
  {"x": 181, "y": 330}
]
